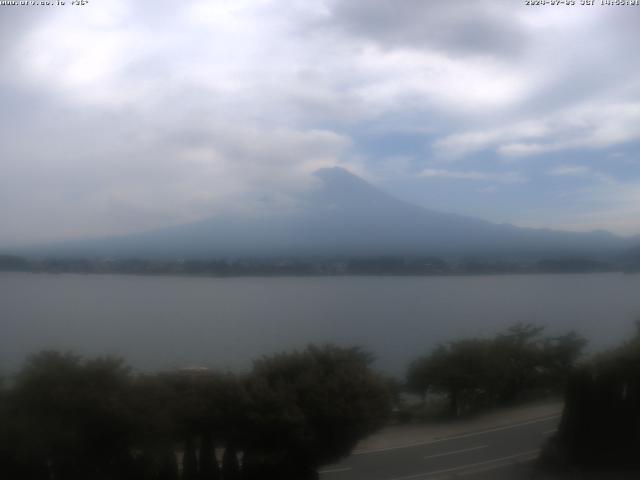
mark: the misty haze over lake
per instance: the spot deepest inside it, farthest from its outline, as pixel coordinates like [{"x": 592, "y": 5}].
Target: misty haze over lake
[{"x": 168, "y": 322}]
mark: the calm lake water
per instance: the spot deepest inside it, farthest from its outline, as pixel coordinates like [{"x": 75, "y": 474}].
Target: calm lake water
[{"x": 167, "y": 322}]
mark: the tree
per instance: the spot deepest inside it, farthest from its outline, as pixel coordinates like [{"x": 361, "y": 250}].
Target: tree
[
  {"x": 462, "y": 370},
  {"x": 155, "y": 407},
  {"x": 519, "y": 358},
  {"x": 230, "y": 466},
  {"x": 600, "y": 424},
  {"x": 481, "y": 372},
  {"x": 419, "y": 377},
  {"x": 71, "y": 416},
  {"x": 559, "y": 357},
  {"x": 310, "y": 408},
  {"x": 209, "y": 469}
]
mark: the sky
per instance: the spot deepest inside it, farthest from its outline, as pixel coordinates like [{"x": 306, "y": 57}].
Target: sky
[{"x": 121, "y": 116}]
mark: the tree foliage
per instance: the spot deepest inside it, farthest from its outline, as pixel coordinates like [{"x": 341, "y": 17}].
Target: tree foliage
[
  {"x": 479, "y": 372},
  {"x": 311, "y": 407},
  {"x": 600, "y": 425},
  {"x": 68, "y": 418}
]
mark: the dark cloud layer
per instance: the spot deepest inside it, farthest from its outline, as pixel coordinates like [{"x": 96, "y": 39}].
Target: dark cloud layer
[{"x": 469, "y": 28}]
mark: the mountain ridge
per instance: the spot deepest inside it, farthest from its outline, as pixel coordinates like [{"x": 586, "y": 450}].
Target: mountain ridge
[{"x": 345, "y": 216}]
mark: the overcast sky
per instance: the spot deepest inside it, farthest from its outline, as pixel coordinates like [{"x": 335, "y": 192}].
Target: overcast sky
[{"x": 120, "y": 116}]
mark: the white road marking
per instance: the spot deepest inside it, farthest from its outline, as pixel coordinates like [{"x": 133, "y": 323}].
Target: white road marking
[
  {"x": 334, "y": 470},
  {"x": 433, "y": 473},
  {"x": 456, "y": 437},
  {"x": 498, "y": 466},
  {"x": 455, "y": 451},
  {"x": 547, "y": 432}
]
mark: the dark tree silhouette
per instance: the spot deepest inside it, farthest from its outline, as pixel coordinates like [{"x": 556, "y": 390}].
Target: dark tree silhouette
[
  {"x": 189, "y": 460},
  {"x": 66, "y": 418},
  {"x": 230, "y": 466},
  {"x": 209, "y": 469},
  {"x": 311, "y": 407},
  {"x": 600, "y": 425},
  {"x": 479, "y": 372},
  {"x": 71, "y": 416}
]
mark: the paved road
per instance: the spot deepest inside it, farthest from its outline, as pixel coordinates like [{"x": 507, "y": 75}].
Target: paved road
[{"x": 506, "y": 452}]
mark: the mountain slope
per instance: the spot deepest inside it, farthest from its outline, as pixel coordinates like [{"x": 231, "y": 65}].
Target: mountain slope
[{"x": 346, "y": 216}]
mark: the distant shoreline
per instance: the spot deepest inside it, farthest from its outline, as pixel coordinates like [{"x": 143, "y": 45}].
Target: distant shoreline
[
  {"x": 314, "y": 267},
  {"x": 312, "y": 275}
]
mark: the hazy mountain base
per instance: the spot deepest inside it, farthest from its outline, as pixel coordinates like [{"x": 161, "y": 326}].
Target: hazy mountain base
[{"x": 344, "y": 217}]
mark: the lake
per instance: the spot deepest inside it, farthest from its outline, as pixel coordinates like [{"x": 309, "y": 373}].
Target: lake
[{"x": 159, "y": 322}]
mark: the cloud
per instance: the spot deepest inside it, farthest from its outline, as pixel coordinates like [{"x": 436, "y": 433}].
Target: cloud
[
  {"x": 406, "y": 78},
  {"x": 570, "y": 170},
  {"x": 122, "y": 116},
  {"x": 580, "y": 171},
  {"x": 461, "y": 144},
  {"x": 587, "y": 126},
  {"x": 136, "y": 131},
  {"x": 474, "y": 28},
  {"x": 116, "y": 179},
  {"x": 608, "y": 206},
  {"x": 500, "y": 177}
]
